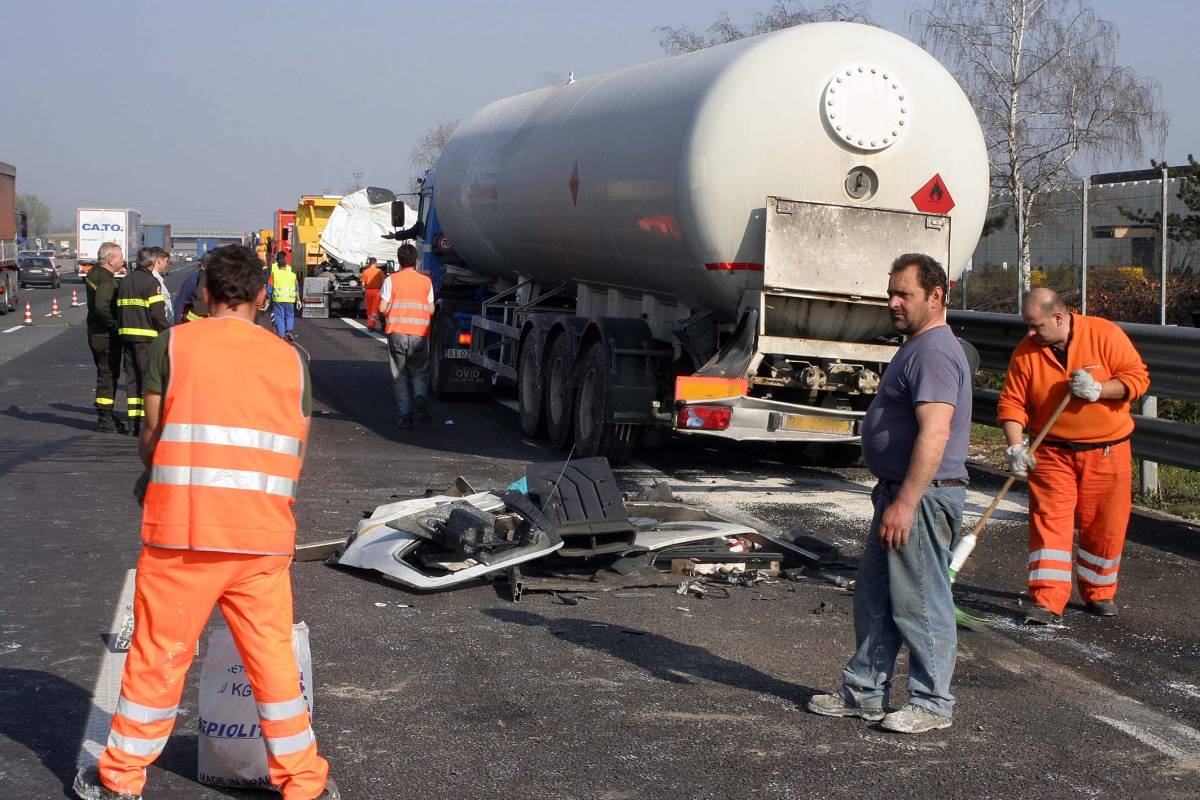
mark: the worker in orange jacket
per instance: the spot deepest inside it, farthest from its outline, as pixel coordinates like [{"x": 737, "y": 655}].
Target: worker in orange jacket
[
  {"x": 406, "y": 302},
  {"x": 372, "y": 281},
  {"x": 227, "y": 414},
  {"x": 1082, "y": 471}
]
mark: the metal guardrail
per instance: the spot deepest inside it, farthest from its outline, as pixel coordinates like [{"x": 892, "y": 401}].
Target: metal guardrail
[{"x": 1171, "y": 354}]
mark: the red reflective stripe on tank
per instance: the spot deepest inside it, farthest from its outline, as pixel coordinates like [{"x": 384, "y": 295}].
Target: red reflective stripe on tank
[{"x": 732, "y": 266}]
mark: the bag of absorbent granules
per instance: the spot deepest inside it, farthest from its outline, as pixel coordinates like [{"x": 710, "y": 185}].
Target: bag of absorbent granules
[{"x": 231, "y": 747}]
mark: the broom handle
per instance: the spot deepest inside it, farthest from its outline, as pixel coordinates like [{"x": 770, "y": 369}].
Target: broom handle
[{"x": 1013, "y": 478}]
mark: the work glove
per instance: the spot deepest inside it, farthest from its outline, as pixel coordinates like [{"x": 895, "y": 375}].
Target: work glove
[
  {"x": 1020, "y": 460},
  {"x": 1084, "y": 386},
  {"x": 139, "y": 488}
]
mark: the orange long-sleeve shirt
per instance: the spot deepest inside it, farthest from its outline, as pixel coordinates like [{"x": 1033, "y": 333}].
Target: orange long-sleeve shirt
[{"x": 1037, "y": 382}]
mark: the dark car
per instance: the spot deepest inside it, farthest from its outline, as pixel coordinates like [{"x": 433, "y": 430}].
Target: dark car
[{"x": 37, "y": 270}]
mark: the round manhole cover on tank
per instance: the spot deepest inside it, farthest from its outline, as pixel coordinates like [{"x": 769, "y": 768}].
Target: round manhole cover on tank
[{"x": 866, "y": 107}]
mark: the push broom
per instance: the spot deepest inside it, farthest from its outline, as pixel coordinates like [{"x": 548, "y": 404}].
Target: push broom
[{"x": 962, "y": 550}]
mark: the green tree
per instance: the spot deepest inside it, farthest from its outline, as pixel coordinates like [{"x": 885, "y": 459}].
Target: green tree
[
  {"x": 37, "y": 213},
  {"x": 783, "y": 14}
]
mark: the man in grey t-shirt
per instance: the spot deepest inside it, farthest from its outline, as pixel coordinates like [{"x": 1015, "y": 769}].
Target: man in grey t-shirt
[{"x": 914, "y": 440}]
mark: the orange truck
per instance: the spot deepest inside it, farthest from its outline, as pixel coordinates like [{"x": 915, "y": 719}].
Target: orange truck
[
  {"x": 285, "y": 230},
  {"x": 12, "y": 229}
]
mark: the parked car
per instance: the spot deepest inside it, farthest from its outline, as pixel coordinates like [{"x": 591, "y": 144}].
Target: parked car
[{"x": 37, "y": 270}]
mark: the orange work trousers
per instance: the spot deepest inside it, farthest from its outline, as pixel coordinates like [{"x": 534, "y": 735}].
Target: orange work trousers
[
  {"x": 1090, "y": 489},
  {"x": 175, "y": 594},
  {"x": 372, "y": 307}
]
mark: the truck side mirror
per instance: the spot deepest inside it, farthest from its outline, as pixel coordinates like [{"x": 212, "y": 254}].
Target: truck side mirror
[
  {"x": 397, "y": 213},
  {"x": 23, "y": 227}
]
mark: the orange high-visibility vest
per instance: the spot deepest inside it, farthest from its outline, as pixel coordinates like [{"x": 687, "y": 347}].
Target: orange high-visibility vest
[
  {"x": 224, "y": 473},
  {"x": 410, "y": 303}
]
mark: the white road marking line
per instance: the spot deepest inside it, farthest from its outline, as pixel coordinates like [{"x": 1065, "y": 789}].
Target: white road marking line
[
  {"x": 108, "y": 681},
  {"x": 509, "y": 403},
  {"x": 14, "y": 328},
  {"x": 1152, "y": 728},
  {"x": 353, "y": 323}
]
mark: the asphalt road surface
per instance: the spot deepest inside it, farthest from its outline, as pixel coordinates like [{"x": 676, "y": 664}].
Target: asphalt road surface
[{"x": 636, "y": 694}]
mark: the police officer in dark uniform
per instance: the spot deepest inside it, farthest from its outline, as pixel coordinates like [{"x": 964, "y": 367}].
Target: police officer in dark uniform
[
  {"x": 103, "y": 340},
  {"x": 143, "y": 314}
]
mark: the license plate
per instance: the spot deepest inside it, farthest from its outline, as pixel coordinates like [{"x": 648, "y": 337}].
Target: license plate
[
  {"x": 812, "y": 424},
  {"x": 457, "y": 353}
]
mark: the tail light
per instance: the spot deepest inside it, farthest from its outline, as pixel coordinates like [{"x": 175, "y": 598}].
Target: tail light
[
  {"x": 464, "y": 338},
  {"x": 703, "y": 418}
]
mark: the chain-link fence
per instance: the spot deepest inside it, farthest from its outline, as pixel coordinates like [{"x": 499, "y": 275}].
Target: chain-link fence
[{"x": 1116, "y": 272}]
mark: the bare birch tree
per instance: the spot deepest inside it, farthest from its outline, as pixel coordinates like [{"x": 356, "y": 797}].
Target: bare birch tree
[
  {"x": 1043, "y": 77},
  {"x": 428, "y": 148},
  {"x": 784, "y": 14}
]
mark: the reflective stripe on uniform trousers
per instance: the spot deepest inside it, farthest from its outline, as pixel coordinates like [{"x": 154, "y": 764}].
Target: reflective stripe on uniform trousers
[
  {"x": 144, "y": 714},
  {"x": 135, "y": 746},
  {"x": 1094, "y": 563},
  {"x": 286, "y": 745},
  {"x": 231, "y": 436},
  {"x": 1063, "y": 575},
  {"x": 284, "y": 709},
  {"x": 135, "y": 407},
  {"x": 217, "y": 478},
  {"x": 104, "y": 401},
  {"x": 137, "y": 332},
  {"x": 1048, "y": 554}
]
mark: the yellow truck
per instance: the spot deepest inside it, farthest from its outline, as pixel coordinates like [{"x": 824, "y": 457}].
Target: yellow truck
[{"x": 312, "y": 213}]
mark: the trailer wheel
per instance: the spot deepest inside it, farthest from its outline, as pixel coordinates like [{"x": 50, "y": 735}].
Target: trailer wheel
[
  {"x": 531, "y": 393},
  {"x": 593, "y": 435},
  {"x": 560, "y": 398},
  {"x": 833, "y": 454}
]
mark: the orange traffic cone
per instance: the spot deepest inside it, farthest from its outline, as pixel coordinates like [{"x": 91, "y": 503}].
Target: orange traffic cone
[
  {"x": 74, "y": 299},
  {"x": 28, "y": 314},
  {"x": 54, "y": 307}
]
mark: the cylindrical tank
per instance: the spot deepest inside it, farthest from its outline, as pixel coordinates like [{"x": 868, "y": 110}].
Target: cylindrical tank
[{"x": 655, "y": 177}]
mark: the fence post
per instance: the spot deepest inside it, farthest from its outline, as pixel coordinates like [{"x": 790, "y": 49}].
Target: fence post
[
  {"x": 1084, "y": 251},
  {"x": 1162, "y": 315},
  {"x": 1149, "y": 468}
]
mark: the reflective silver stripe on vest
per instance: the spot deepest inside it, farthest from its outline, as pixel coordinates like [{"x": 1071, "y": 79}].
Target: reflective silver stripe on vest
[
  {"x": 1063, "y": 575},
  {"x": 286, "y": 745},
  {"x": 1049, "y": 555},
  {"x": 1097, "y": 561},
  {"x": 135, "y": 746},
  {"x": 234, "y": 437},
  {"x": 218, "y": 478},
  {"x": 1095, "y": 577},
  {"x": 284, "y": 709},
  {"x": 420, "y": 306},
  {"x": 411, "y": 320},
  {"x": 144, "y": 714}
]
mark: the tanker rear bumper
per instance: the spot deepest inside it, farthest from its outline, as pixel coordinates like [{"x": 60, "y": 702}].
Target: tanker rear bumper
[{"x": 754, "y": 419}]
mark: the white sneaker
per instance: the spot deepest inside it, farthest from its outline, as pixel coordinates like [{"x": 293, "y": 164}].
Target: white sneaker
[{"x": 915, "y": 719}]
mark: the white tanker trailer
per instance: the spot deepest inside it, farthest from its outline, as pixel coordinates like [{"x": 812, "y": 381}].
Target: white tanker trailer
[{"x": 702, "y": 242}]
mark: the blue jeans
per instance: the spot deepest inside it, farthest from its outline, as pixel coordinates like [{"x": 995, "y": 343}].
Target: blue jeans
[
  {"x": 903, "y": 596},
  {"x": 410, "y": 372},
  {"x": 285, "y": 317}
]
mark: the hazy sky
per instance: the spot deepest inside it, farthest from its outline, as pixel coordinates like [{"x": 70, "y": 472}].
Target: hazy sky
[{"x": 215, "y": 113}]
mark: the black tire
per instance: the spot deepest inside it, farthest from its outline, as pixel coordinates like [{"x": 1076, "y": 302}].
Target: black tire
[
  {"x": 833, "y": 454},
  {"x": 559, "y": 405},
  {"x": 593, "y": 435},
  {"x": 531, "y": 391},
  {"x": 435, "y": 361}
]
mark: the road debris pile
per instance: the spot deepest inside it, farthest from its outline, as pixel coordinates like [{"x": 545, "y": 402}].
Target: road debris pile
[{"x": 573, "y": 518}]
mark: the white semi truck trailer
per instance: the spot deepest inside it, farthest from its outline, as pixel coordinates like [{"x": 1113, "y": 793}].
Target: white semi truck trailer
[{"x": 700, "y": 243}]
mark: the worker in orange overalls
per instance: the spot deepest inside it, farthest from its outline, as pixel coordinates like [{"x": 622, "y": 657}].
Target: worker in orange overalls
[
  {"x": 227, "y": 408},
  {"x": 406, "y": 301},
  {"x": 1082, "y": 471},
  {"x": 372, "y": 280}
]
